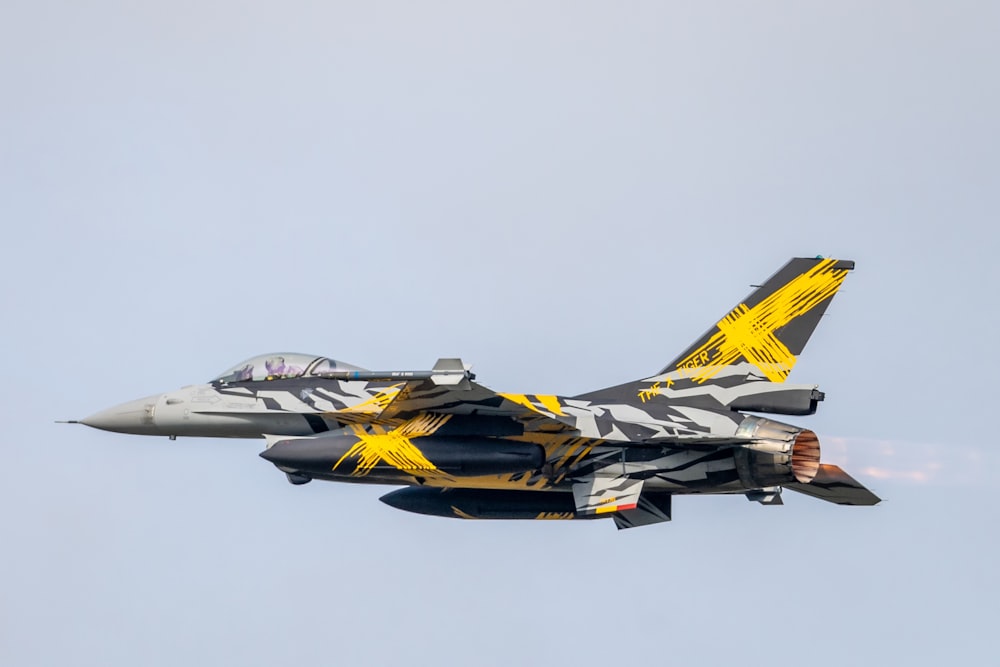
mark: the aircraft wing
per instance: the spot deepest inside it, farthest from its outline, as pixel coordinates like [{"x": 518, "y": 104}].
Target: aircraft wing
[
  {"x": 538, "y": 412},
  {"x": 535, "y": 412},
  {"x": 834, "y": 485}
]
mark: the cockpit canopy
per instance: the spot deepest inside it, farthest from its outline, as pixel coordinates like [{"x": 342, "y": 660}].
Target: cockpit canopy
[{"x": 282, "y": 365}]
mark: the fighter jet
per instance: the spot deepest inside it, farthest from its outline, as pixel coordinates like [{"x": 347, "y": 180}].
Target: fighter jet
[{"x": 462, "y": 450}]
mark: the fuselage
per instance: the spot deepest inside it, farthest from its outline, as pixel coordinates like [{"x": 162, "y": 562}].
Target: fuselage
[{"x": 474, "y": 446}]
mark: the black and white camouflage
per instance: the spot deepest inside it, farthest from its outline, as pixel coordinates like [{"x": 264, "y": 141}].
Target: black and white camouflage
[{"x": 464, "y": 450}]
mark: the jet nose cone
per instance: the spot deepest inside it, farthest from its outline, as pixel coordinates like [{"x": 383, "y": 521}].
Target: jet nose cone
[{"x": 133, "y": 417}]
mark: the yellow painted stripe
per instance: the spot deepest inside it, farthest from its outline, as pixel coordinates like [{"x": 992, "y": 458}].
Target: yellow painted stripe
[
  {"x": 520, "y": 399},
  {"x": 551, "y": 404},
  {"x": 749, "y": 333}
]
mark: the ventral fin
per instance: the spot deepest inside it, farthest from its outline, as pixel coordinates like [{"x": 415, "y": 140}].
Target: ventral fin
[{"x": 606, "y": 491}]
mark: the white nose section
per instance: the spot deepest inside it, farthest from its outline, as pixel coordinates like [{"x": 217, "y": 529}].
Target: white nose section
[{"x": 133, "y": 417}]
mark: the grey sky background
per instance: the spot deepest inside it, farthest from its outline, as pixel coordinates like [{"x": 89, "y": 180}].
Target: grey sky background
[{"x": 563, "y": 194}]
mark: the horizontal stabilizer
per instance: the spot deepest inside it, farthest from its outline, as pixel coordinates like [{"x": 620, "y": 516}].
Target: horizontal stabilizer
[{"x": 835, "y": 486}]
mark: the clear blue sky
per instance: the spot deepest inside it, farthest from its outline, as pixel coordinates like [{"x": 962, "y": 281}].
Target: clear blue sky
[{"x": 565, "y": 195}]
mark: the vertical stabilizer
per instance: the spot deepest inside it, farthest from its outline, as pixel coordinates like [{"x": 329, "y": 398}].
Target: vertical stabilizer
[
  {"x": 759, "y": 340},
  {"x": 769, "y": 329}
]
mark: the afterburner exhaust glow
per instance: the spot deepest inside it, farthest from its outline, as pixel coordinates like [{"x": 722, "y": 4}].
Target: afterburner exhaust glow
[{"x": 805, "y": 457}]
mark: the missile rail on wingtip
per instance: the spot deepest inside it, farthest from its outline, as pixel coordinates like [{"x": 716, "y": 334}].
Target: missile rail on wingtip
[{"x": 445, "y": 372}]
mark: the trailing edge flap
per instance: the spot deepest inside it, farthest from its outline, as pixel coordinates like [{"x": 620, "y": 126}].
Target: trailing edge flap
[
  {"x": 652, "y": 508},
  {"x": 835, "y": 486},
  {"x": 606, "y": 491}
]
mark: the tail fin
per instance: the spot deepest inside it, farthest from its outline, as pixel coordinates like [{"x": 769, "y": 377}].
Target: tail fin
[
  {"x": 758, "y": 340},
  {"x": 769, "y": 329}
]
